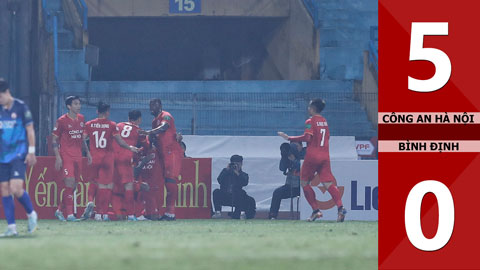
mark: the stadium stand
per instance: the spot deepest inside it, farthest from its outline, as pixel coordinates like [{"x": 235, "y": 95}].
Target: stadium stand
[
  {"x": 242, "y": 107},
  {"x": 344, "y": 27}
]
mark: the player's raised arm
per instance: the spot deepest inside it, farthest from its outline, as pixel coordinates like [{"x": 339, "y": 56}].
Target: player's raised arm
[
  {"x": 123, "y": 144},
  {"x": 302, "y": 138},
  {"x": 162, "y": 128},
  {"x": 306, "y": 137}
]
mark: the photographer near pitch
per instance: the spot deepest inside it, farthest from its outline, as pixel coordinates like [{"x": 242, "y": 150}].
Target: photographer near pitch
[
  {"x": 291, "y": 154},
  {"x": 232, "y": 180}
]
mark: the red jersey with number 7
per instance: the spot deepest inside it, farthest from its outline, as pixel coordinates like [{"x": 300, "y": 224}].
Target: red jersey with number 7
[
  {"x": 129, "y": 133},
  {"x": 317, "y": 127},
  {"x": 101, "y": 132}
]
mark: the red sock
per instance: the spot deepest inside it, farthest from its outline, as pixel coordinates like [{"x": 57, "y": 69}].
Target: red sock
[
  {"x": 150, "y": 202},
  {"x": 139, "y": 205},
  {"x": 128, "y": 202},
  {"x": 104, "y": 196},
  {"x": 172, "y": 194},
  {"x": 61, "y": 206},
  {"x": 92, "y": 190},
  {"x": 310, "y": 196},
  {"x": 67, "y": 200},
  {"x": 337, "y": 197},
  {"x": 117, "y": 200}
]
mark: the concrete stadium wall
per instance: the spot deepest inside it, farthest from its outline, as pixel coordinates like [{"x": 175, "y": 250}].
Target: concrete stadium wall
[
  {"x": 294, "y": 48},
  {"x": 156, "y": 8}
]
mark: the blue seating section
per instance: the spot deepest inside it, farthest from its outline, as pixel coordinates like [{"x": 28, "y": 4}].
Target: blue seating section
[
  {"x": 233, "y": 111},
  {"x": 344, "y": 27}
]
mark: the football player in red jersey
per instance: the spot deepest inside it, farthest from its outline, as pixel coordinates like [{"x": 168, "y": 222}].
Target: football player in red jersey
[
  {"x": 317, "y": 159},
  {"x": 152, "y": 174},
  {"x": 102, "y": 132},
  {"x": 170, "y": 151},
  {"x": 67, "y": 144},
  {"x": 124, "y": 159}
]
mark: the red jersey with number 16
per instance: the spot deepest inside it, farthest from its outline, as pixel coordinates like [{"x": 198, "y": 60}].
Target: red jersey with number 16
[
  {"x": 167, "y": 140},
  {"x": 129, "y": 133},
  {"x": 101, "y": 132},
  {"x": 317, "y": 127}
]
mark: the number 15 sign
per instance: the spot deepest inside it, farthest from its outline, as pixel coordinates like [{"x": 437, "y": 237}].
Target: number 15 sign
[
  {"x": 429, "y": 160},
  {"x": 185, "y": 6}
]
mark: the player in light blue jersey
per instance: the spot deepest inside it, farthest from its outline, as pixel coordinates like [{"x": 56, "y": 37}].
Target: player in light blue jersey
[{"x": 17, "y": 149}]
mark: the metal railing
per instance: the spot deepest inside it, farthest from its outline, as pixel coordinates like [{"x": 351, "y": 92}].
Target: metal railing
[
  {"x": 51, "y": 26},
  {"x": 83, "y": 11},
  {"x": 55, "y": 50},
  {"x": 239, "y": 113},
  {"x": 312, "y": 9},
  {"x": 46, "y": 16}
]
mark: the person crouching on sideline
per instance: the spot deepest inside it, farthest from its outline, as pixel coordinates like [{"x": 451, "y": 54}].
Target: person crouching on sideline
[
  {"x": 291, "y": 154},
  {"x": 232, "y": 180}
]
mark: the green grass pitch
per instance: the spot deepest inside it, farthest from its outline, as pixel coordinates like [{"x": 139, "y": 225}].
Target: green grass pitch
[{"x": 193, "y": 244}]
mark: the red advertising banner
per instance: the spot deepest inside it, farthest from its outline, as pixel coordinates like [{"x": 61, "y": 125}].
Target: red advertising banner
[
  {"x": 429, "y": 134},
  {"x": 45, "y": 186}
]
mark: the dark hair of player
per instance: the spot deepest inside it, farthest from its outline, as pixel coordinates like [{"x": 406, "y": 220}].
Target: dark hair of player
[
  {"x": 3, "y": 85},
  {"x": 103, "y": 107},
  {"x": 157, "y": 101},
  {"x": 134, "y": 115},
  {"x": 69, "y": 100},
  {"x": 318, "y": 104}
]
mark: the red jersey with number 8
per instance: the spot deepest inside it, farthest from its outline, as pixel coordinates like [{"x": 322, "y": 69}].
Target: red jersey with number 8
[
  {"x": 317, "y": 127},
  {"x": 129, "y": 133},
  {"x": 101, "y": 132}
]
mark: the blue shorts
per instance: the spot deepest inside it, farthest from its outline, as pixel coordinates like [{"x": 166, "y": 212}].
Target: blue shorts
[{"x": 13, "y": 170}]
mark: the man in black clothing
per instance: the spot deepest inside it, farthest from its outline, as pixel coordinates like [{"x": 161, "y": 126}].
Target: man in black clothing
[
  {"x": 291, "y": 154},
  {"x": 232, "y": 180}
]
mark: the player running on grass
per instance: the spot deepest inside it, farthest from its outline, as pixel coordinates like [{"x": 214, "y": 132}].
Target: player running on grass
[
  {"x": 317, "y": 159},
  {"x": 67, "y": 144},
  {"x": 170, "y": 151},
  {"x": 102, "y": 132},
  {"x": 17, "y": 135}
]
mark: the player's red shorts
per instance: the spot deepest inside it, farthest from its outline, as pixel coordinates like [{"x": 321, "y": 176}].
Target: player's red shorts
[
  {"x": 172, "y": 163},
  {"x": 320, "y": 166},
  {"x": 72, "y": 167},
  {"x": 154, "y": 196},
  {"x": 125, "y": 171},
  {"x": 102, "y": 169}
]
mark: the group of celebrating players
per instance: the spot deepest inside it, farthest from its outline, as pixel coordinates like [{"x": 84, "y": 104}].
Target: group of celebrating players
[
  {"x": 124, "y": 160},
  {"x": 126, "y": 165},
  {"x": 116, "y": 149}
]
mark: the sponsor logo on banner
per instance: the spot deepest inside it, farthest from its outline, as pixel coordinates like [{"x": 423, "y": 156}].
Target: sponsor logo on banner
[
  {"x": 324, "y": 205},
  {"x": 358, "y": 183},
  {"x": 45, "y": 186},
  {"x": 364, "y": 148},
  {"x": 370, "y": 199},
  {"x": 367, "y": 148}
]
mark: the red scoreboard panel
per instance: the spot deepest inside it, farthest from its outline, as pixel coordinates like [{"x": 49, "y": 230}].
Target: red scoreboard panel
[{"x": 429, "y": 134}]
